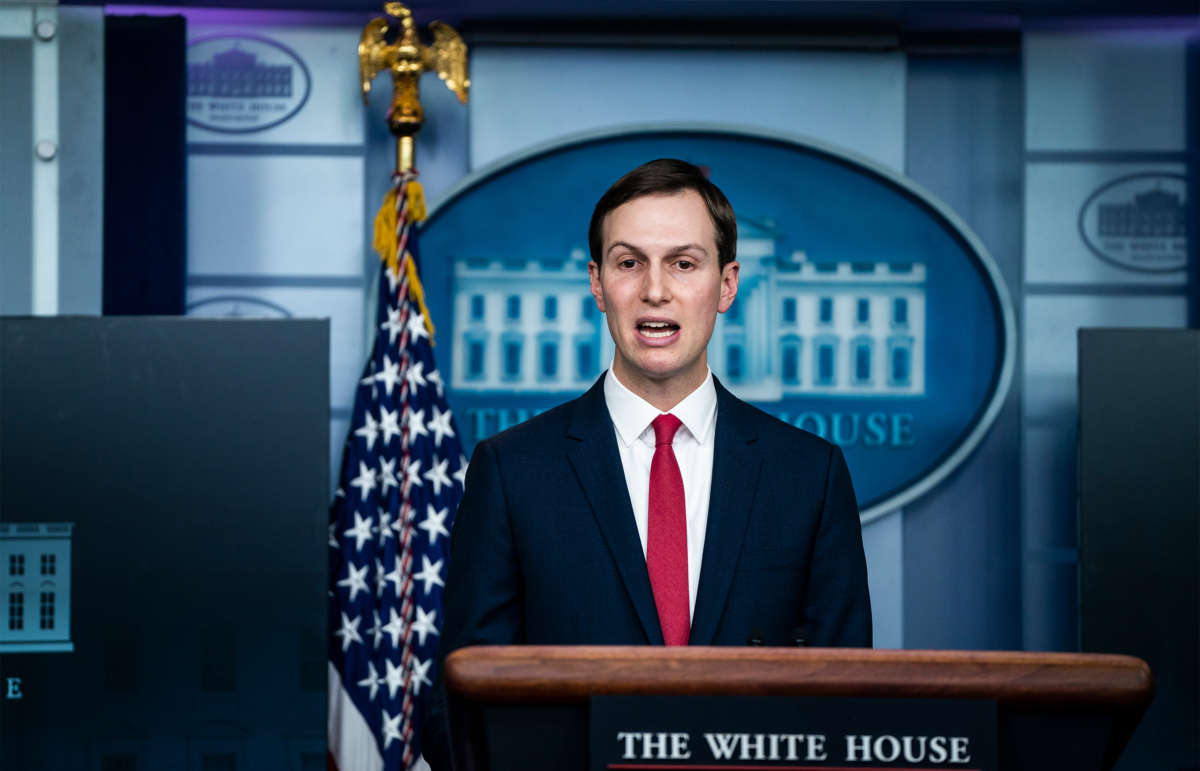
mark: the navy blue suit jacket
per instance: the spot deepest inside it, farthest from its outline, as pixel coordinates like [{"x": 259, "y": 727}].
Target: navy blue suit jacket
[{"x": 545, "y": 549}]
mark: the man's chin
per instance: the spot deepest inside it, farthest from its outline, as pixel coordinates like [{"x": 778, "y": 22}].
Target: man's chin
[
  {"x": 660, "y": 373},
  {"x": 654, "y": 371}
]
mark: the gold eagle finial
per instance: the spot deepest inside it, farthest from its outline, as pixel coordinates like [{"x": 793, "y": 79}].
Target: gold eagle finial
[{"x": 393, "y": 44}]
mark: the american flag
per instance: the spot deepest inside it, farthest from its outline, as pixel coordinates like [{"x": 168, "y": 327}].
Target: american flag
[{"x": 403, "y": 471}]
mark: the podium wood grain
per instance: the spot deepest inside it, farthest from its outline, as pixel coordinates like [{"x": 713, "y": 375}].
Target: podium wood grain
[
  {"x": 1039, "y": 695},
  {"x": 514, "y": 674}
]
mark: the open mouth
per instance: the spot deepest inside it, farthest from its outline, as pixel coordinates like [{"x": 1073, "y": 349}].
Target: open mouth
[{"x": 657, "y": 329}]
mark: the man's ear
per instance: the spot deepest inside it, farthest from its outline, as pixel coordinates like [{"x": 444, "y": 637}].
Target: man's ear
[
  {"x": 729, "y": 285},
  {"x": 594, "y": 284}
]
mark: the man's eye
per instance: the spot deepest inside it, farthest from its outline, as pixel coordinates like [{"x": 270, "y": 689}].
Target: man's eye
[
  {"x": 686, "y": 264},
  {"x": 630, "y": 263}
]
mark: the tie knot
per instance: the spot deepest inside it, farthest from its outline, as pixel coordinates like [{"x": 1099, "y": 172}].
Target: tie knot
[{"x": 665, "y": 427}]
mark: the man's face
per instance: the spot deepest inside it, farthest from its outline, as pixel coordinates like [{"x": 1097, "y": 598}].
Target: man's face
[{"x": 661, "y": 288}]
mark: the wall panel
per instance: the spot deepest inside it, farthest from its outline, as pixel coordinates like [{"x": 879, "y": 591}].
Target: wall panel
[{"x": 527, "y": 96}]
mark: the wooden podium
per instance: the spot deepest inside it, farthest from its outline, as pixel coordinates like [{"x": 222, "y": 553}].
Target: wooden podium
[{"x": 527, "y": 706}]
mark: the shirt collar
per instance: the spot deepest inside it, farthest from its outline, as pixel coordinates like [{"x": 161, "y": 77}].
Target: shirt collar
[{"x": 632, "y": 415}]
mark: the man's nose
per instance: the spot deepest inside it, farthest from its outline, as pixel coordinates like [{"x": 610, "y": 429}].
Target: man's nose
[{"x": 655, "y": 287}]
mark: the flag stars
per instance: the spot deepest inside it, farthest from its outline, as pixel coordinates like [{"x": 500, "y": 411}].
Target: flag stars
[
  {"x": 435, "y": 377},
  {"x": 426, "y": 624},
  {"x": 420, "y": 674},
  {"x": 415, "y": 423},
  {"x": 391, "y": 729},
  {"x": 361, "y": 532},
  {"x": 387, "y": 475},
  {"x": 371, "y": 680},
  {"x": 390, "y": 375},
  {"x": 394, "y": 678},
  {"x": 415, "y": 376},
  {"x": 437, "y": 476},
  {"x": 395, "y": 628},
  {"x": 434, "y": 523},
  {"x": 369, "y": 380},
  {"x": 376, "y": 632},
  {"x": 430, "y": 575},
  {"x": 412, "y": 474},
  {"x": 356, "y": 580},
  {"x": 439, "y": 425},
  {"x": 392, "y": 326},
  {"x": 395, "y": 577},
  {"x": 402, "y": 475},
  {"x": 349, "y": 632},
  {"x": 389, "y": 424},
  {"x": 380, "y": 578},
  {"x": 416, "y": 327},
  {"x": 385, "y": 525},
  {"x": 365, "y": 481},
  {"x": 369, "y": 430}
]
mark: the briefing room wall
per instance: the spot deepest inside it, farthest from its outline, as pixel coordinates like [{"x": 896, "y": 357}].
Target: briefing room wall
[
  {"x": 68, "y": 188},
  {"x": 279, "y": 217},
  {"x": 526, "y": 95},
  {"x": 961, "y": 540},
  {"x": 953, "y": 124},
  {"x": 16, "y": 206},
  {"x": 277, "y": 222},
  {"x": 1102, "y": 104}
]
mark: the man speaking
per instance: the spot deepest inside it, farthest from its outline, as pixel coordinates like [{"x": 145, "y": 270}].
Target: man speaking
[{"x": 657, "y": 508}]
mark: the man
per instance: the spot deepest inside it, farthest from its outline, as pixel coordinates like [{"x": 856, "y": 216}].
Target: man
[{"x": 657, "y": 507}]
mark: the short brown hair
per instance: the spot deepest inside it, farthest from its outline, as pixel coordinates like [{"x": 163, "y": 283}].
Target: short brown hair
[{"x": 664, "y": 177}]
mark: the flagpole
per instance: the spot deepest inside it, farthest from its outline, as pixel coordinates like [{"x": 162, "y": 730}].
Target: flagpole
[
  {"x": 403, "y": 467},
  {"x": 405, "y": 154}
]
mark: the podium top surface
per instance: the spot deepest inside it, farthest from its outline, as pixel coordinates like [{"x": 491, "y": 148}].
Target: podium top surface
[{"x": 566, "y": 674}]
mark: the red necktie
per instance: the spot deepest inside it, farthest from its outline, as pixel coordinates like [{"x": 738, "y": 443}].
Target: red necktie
[{"x": 666, "y": 535}]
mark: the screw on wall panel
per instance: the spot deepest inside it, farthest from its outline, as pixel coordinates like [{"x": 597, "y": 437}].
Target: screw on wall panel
[
  {"x": 46, "y": 150},
  {"x": 45, "y": 30}
]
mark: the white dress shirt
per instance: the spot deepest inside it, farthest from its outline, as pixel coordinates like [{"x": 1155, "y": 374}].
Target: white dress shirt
[{"x": 693, "y": 446}]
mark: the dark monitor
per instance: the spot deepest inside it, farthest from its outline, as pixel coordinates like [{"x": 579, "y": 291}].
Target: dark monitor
[{"x": 163, "y": 492}]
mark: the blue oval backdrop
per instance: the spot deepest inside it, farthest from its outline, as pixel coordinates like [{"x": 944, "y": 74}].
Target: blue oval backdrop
[{"x": 866, "y": 312}]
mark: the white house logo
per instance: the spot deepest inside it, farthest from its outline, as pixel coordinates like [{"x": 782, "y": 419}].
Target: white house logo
[
  {"x": 866, "y": 312},
  {"x": 1138, "y": 222},
  {"x": 241, "y": 84},
  {"x": 35, "y": 605},
  {"x": 238, "y": 307},
  {"x": 798, "y": 328}
]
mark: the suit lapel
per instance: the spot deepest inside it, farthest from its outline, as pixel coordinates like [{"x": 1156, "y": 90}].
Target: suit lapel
[
  {"x": 594, "y": 457},
  {"x": 735, "y": 477}
]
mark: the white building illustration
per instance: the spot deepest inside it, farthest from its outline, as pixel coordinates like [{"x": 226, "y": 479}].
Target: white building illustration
[
  {"x": 798, "y": 327},
  {"x": 35, "y": 563},
  {"x": 527, "y": 325}
]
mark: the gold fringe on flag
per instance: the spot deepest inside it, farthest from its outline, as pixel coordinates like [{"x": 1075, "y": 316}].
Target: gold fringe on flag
[
  {"x": 416, "y": 201},
  {"x": 385, "y": 230},
  {"x": 386, "y": 245}
]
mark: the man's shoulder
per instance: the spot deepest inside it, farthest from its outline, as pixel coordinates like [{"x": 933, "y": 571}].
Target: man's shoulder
[
  {"x": 775, "y": 434},
  {"x": 538, "y": 432}
]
